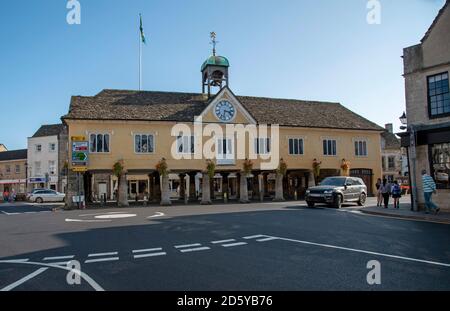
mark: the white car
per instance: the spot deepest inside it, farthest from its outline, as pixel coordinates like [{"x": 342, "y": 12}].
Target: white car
[
  {"x": 441, "y": 176},
  {"x": 46, "y": 195}
]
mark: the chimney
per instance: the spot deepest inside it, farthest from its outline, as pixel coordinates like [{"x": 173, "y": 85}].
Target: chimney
[{"x": 389, "y": 127}]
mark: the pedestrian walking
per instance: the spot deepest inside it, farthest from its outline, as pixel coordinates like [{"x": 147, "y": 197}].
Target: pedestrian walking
[
  {"x": 396, "y": 194},
  {"x": 429, "y": 187},
  {"x": 385, "y": 189},
  {"x": 6, "y": 196},
  {"x": 379, "y": 195}
]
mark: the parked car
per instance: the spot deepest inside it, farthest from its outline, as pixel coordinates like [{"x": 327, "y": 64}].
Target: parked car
[
  {"x": 336, "y": 190},
  {"x": 441, "y": 176},
  {"x": 46, "y": 195}
]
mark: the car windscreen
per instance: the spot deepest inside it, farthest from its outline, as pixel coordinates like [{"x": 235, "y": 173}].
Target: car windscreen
[{"x": 333, "y": 181}]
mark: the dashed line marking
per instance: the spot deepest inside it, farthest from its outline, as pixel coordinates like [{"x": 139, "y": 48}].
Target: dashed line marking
[
  {"x": 61, "y": 263},
  {"x": 146, "y": 250},
  {"x": 23, "y": 280},
  {"x": 101, "y": 259},
  {"x": 16, "y": 260},
  {"x": 223, "y": 241},
  {"x": 150, "y": 255},
  {"x": 59, "y": 257},
  {"x": 194, "y": 249},
  {"x": 102, "y": 254},
  {"x": 187, "y": 245},
  {"x": 254, "y": 236},
  {"x": 234, "y": 244}
]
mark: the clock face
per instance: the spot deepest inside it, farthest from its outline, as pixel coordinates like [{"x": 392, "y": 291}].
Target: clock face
[{"x": 224, "y": 111}]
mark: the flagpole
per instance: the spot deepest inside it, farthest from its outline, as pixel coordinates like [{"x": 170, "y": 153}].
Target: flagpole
[{"x": 140, "y": 61}]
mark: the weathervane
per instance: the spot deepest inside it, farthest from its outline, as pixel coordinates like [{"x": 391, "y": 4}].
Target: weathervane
[{"x": 213, "y": 41}]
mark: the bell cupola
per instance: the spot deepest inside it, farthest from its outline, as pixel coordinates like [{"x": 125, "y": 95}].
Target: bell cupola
[{"x": 214, "y": 70}]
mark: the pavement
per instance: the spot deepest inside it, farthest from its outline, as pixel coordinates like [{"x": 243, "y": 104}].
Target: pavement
[{"x": 269, "y": 246}]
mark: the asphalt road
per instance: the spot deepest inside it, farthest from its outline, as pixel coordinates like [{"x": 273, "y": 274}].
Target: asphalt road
[{"x": 270, "y": 246}]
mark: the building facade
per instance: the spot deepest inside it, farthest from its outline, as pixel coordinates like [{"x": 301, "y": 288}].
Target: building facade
[
  {"x": 393, "y": 156},
  {"x": 426, "y": 72},
  {"x": 13, "y": 171},
  {"x": 46, "y": 149},
  {"x": 139, "y": 128}
]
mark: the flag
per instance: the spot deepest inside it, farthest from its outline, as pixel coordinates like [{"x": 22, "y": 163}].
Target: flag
[{"x": 141, "y": 28}]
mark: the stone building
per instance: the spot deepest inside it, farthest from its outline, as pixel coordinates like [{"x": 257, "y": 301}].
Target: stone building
[
  {"x": 426, "y": 73},
  {"x": 392, "y": 155},
  {"x": 47, "y": 155},
  {"x": 13, "y": 168}
]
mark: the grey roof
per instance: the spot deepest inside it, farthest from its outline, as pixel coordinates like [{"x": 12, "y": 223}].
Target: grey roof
[
  {"x": 183, "y": 107},
  {"x": 391, "y": 140},
  {"x": 20, "y": 154},
  {"x": 49, "y": 130},
  {"x": 438, "y": 16}
]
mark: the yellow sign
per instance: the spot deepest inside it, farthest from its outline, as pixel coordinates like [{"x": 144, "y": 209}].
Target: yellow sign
[
  {"x": 78, "y": 138},
  {"x": 79, "y": 169}
]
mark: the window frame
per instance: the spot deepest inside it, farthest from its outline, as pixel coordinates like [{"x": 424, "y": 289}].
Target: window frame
[
  {"x": 191, "y": 144},
  {"x": 50, "y": 147},
  {"x": 96, "y": 142},
  {"x": 336, "y": 148},
  {"x": 17, "y": 169},
  {"x": 153, "y": 141},
  {"x": 430, "y": 115},
  {"x": 266, "y": 143},
  {"x": 358, "y": 141},
  {"x": 298, "y": 138},
  {"x": 38, "y": 148}
]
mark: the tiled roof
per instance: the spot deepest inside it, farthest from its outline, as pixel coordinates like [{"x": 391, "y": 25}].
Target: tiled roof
[
  {"x": 441, "y": 11},
  {"x": 391, "y": 141},
  {"x": 13, "y": 155},
  {"x": 183, "y": 107},
  {"x": 49, "y": 130}
]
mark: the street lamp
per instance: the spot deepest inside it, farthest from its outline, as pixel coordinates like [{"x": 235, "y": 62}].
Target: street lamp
[{"x": 404, "y": 121}]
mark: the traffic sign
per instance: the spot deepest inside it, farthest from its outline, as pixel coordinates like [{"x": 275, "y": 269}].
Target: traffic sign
[{"x": 80, "y": 153}]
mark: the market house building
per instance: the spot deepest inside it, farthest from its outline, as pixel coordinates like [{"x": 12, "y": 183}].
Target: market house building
[
  {"x": 135, "y": 127},
  {"x": 13, "y": 171},
  {"x": 426, "y": 73}
]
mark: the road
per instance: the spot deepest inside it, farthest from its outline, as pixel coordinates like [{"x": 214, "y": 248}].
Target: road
[{"x": 270, "y": 246}]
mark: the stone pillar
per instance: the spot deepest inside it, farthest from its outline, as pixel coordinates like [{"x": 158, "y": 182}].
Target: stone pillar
[
  {"x": 225, "y": 186},
  {"x": 182, "y": 186},
  {"x": 279, "y": 188},
  {"x": 243, "y": 188},
  {"x": 123, "y": 190},
  {"x": 206, "y": 188},
  {"x": 156, "y": 196},
  {"x": 192, "y": 192},
  {"x": 311, "y": 181},
  {"x": 75, "y": 182},
  {"x": 165, "y": 191},
  {"x": 261, "y": 186}
]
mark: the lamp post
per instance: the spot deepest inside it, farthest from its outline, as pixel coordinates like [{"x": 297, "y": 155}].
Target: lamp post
[{"x": 411, "y": 156}]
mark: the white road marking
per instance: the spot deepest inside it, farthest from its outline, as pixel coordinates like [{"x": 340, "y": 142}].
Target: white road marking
[
  {"x": 61, "y": 263},
  {"x": 194, "y": 249},
  {"x": 87, "y": 220},
  {"x": 187, "y": 245},
  {"x": 147, "y": 250},
  {"x": 223, "y": 241},
  {"x": 9, "y": 213},
  {"x": 102, "y": 254},
  {"x": 114, "y": 216},
  {"x": 83, "y": 275},
  {"x": 266, "y": 239},
  {"x": 16, "y": 260},
  {"x": 30, "y": 212},
  {"x": 234, "y": 244},
  {"x": 59, "y": 257},
  {"x": 101, "y": 259},
  {"x": 254, "y": 236},
  {"x": 23, "y": 280},
  {"x": 149, "y": 255},
  {"x": 366, "y": 252},
  {"x": 158, "y": 214},
  {"x": 99, "y": 214}
]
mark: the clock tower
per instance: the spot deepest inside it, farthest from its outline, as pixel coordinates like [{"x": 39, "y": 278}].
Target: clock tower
[{"x": 214, "y": 70}]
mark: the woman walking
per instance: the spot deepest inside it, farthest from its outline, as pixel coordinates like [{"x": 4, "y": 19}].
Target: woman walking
[
  {"x": 396, "y": 194},
  {"x": 385, "y": 189},
  {"x": 379, "y": 195}
]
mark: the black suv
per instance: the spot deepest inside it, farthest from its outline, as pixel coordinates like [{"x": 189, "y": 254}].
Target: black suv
[{"x": 336, "y": 190}]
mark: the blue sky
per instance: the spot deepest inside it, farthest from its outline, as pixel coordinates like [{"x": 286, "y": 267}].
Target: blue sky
[{"x": 303, "y": 49}]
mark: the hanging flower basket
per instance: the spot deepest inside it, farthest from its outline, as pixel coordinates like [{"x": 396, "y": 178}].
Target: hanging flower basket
[
  {"x": 162, "y": 168},
  {"x": 210, "y": 168},
  {"x": 345, "y": 166},
  {"x": 118, "y": 168},
  {"x": 247, "y": 166},
  {"x": 316, "y": 167},
  {"x": 282, "y": 167}
]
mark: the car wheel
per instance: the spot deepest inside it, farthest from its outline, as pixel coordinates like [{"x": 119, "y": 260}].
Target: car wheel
[
  {"x": 362, "y": 199},
  {"x": 338, "y": 201},
  {"x": 310, "y": 204},
  {"x": 39, "y": 200}
]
